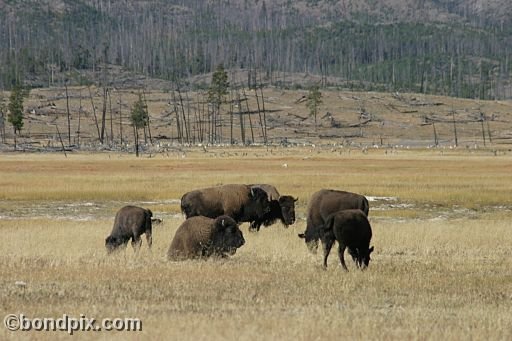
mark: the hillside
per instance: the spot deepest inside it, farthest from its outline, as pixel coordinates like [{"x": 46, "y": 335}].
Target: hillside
[
  {"x": 346, "y": 119},
  {"x": 449, "y": 47}
]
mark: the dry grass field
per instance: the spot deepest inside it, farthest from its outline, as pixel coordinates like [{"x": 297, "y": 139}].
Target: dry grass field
[{"x": 441, "y": 270}]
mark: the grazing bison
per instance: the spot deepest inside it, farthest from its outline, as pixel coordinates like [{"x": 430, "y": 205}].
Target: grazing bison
[
  {"x": 353, "y": 231},
  {"x": 281, "y": 207},
  {"x": 130, "y": 223},
  {"x": 240, "y": 202},
  {"x": 325, "y": 202},
  {"x": 202, "y": 237}
]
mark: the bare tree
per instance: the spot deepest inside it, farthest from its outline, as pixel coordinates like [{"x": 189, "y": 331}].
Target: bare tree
[
  {"x": 120, "y": 119},
  {"x": 69, "y": 114},
  {"x": 79, "y": 120},
  {"x": 454, "y": 128},
  {"x": 94, "y": 113}
]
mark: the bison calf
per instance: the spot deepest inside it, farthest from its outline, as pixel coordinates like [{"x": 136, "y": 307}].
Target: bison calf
[
  {"x": 202, "y": 237},
  {"x": 130, "y": 223},
  {"x": 326, "y": 202},
  {"x": 352, "y": 230}
]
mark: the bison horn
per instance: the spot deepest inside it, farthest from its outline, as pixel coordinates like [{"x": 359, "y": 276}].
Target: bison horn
[
  {"x": 295, "y": 199},
  {"x": 302, "y": 235},
  {"x": 223, "y": 222}
]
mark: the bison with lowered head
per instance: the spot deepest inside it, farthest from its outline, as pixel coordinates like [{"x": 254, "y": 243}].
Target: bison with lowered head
[
  {"x": 282, "y": 207},
  {"x": 202, "y": 237},
  {"x": 352, "y": 231},
  {"x": 130, "y": 223},
  {"x": 240, "y": 202},
  {"x": 322, "y": 204}
]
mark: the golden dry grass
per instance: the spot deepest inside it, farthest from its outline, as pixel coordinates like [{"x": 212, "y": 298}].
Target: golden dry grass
[{"x": 442, "y": 268}]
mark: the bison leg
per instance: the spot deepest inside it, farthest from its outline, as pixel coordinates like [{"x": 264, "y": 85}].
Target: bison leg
[
  {"x": 327, "y": 249},
  {"x": 255, "y": 226},
  {"x": 136, "y": 243},
  {"x": 341, "y": 251},
  {"x": 149, "y": 238}
]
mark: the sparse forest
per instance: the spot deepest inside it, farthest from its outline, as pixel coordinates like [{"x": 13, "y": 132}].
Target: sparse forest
[{"x": 453, "y": 47}]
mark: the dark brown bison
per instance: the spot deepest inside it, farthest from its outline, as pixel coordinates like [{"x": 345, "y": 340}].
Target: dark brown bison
[
  {"x": 202, "y": 237},
  {"x": 130, "y": 223},
  {"x": 240, "y": 202},
  {"x": 325, "y": 202},
  {"x": 352, "y": 230},
  {"x": 281, "y": 208}
]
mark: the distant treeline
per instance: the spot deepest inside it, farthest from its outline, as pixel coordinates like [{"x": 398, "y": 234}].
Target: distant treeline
[{"x": 177, "y": 39}]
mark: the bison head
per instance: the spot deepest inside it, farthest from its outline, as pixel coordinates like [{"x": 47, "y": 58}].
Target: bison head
[
  {"x": 112, "y": 243},
  {"x": 364, "y": 258},
  {"x": 287, "y": 204},
  {"x": 259, "y": 202},
  {"x": 311, "y": 237},
  {"x": 361, "y": 257},
  {"x": 227, "y": 236}
]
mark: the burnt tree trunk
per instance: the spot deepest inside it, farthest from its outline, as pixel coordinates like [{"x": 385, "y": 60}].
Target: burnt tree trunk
[
  {"x": 103, "y": 115},
  {"x": 69, "y": 114},
  {"x": 455, "y": 129},
  {"x": 94, "y": 114}
]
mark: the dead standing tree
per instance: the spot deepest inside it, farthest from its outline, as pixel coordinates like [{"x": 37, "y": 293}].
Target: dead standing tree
[
  {"x": 69, "y": 114},
  {"x": 261, "y": 114},
  {"x": 79, "y": 120},
  {"x": 454, "y": 128},
  {"x": 186, "y": 122},
  {"x": 120, "y": 119},
  {"x": 176, "y": 111},
  {"x": 429, "y": 121},
  {"x": 147, "y": 125},
  {"x": 94, "y": 113}
]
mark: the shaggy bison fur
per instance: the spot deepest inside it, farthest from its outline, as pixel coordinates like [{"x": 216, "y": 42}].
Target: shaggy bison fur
[
  {"x": 281, "y": 208},
  {"x": 202, "y": 237},
  {"x": 240, "y": 202},
  {"x": 325, "y": 202},
  {"x": 130, "y": 223},
  {"x": 352, "y": 231}
]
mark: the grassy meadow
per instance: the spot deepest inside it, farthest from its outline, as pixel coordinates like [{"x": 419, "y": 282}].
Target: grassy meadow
[{"x": 442, "y": 266}]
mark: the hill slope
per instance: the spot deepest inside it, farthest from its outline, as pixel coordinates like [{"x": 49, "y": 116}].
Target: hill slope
[
  {"x": 345, "y": 118},
  {"x": 450, "y": 47}
]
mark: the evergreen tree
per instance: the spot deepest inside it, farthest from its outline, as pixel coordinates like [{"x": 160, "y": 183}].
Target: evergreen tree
[
  {"x": 217, "y": 91},
  {"x": 139, "y": 117},
  {"x": 219, "y": 86},
  {"x": 16, "y": 108},
  {"x": 313, "y": 101}
]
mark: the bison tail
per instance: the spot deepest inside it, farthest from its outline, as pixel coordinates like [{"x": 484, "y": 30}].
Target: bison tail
[{"x": 148, "y": 222}]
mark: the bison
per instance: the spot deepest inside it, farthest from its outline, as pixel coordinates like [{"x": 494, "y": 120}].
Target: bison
[
  {"x": 130, "y": 223},
  {"x": 281, "y": 207},
  {"x": 202, "y": 237},
  {"x": 240, "y": 202},
  {"x": 352, "y": 230},
  {"x": 325, "y": 202}
]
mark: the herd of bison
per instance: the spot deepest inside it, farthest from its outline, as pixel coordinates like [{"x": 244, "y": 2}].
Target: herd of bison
[{"x": 213, "y": 216}]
